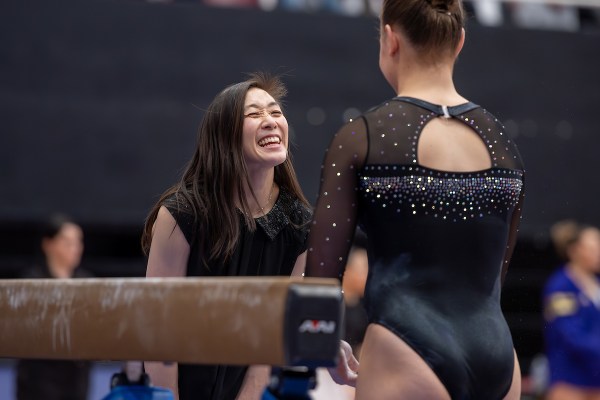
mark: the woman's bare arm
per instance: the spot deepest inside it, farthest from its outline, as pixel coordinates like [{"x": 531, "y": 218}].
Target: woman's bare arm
[{"x": 168, "y": 257}]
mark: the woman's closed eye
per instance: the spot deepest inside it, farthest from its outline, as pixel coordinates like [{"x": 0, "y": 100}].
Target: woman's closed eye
[{"x": 263, "y": 113}]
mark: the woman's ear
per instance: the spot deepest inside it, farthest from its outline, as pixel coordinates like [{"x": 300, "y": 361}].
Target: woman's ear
[
  {"x": 461, "y": 42},
  {"x": 390, "y": 41}
]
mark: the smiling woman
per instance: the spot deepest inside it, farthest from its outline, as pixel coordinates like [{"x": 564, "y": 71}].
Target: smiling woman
[
  {"x": 237, "y": 211},
  {"x": 265, "y": 131}
]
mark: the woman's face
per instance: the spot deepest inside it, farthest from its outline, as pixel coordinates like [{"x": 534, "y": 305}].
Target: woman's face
[
  {"x": 265, "y": 134},
  {"x": 586, "y": 252},
  {"x": 65, "y": 249}
]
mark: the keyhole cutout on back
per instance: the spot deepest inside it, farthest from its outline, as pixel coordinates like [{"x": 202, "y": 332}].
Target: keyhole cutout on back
[{"x": 450, "y": 145}]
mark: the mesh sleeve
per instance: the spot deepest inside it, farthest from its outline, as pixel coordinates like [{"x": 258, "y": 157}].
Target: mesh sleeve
[
  {"x": 335, "y": 215},
  {"x": 513, "y": 232}
]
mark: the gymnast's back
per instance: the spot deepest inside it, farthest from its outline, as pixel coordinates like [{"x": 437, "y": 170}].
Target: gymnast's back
[{"x": 438, "y": 190}]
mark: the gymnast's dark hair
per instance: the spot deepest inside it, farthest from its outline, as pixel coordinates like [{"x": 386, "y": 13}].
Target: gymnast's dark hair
[
  {"x": 214, "y": 180},
  {"x": 432, "y": 26}
]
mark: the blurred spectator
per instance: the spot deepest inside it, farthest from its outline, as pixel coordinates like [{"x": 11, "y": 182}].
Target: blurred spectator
[
  {"x": 353, "y": 284},
  {"x": 375, "y": 7},
  {"x": 232, "y": 3},
  {"x": 572, "y": 314},
  {"x": 353, "y": 8},
  {"x": 545, "y": 16},
  {"x": 589, "y": 18},
  {"x": 62, "y": 248},
  {"x": 334, "y": 6},
  {"x": 488, "y": 12},
  {"x": 493, "y": 13}
]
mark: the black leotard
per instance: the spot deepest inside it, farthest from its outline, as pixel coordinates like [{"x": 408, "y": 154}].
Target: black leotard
[{"x": 438, "y": 241}]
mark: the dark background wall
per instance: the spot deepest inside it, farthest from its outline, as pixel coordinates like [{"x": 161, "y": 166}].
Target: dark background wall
[{"x": 100, "y": 102}]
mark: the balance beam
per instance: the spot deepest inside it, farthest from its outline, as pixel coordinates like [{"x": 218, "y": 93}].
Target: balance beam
[{"x": 242, "y": 321}]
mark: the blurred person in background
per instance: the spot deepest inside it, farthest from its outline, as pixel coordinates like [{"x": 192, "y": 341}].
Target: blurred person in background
[
  {"x": 237, "y": 211},
  {"x": 62, "y": 248},
  {"x": 437, "y": 187},
  {"x": 542, "y": 15},
  {"x": 488, "y": 12},
  {"x": 572, "y": 314}
]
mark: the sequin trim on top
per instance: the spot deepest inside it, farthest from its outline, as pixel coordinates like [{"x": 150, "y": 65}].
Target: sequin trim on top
[
  {"x": 287, "y": 210},
  {"x": 452, "y": 196}
]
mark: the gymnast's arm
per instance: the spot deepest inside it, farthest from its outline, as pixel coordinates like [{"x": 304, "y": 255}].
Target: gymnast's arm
[
  {"x": 513, "y": 233},
  {"x": 168, "y": 257},
  {"x": 334, "y": 221},
  {"x": 335, "y": 216},
  {"x": 300, "y": 265}
]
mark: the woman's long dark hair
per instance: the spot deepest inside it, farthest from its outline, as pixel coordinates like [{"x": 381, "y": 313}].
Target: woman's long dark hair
[{"x": 214, "y": 180}]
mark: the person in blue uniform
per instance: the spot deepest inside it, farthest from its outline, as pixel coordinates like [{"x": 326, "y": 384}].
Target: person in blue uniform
[
  {"x": 437, "y": 185},
  {"x": 572, "y": 314},
  {"x": 237, "y": 211}
]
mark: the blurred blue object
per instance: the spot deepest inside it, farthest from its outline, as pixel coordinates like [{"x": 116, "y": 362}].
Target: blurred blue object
[
  {"x": 132, "y": 383},
  {"x": 290, "y": 384},
  {"x": 139, "y": 392}
]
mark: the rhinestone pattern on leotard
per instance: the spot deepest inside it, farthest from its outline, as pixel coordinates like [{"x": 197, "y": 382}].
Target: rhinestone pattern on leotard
[{"x": 450, "y": 196}]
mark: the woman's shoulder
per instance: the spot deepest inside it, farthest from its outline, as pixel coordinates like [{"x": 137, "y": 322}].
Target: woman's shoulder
[
  {"x": 178, "y": 202},
  {"x": 180, "y": 207},
  {"x": 559, "y": 281},
  {"x": 36, "y": 271},
  {"x": 82, "y": 273}
]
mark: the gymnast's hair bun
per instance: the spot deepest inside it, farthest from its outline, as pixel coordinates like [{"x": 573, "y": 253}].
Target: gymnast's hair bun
[
  {"x": 442, "y": 5},
  {"x": 434, "y": 27}
]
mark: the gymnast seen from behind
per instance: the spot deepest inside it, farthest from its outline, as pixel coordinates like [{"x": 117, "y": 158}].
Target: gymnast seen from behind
[{"x": 437, "y": 185}]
